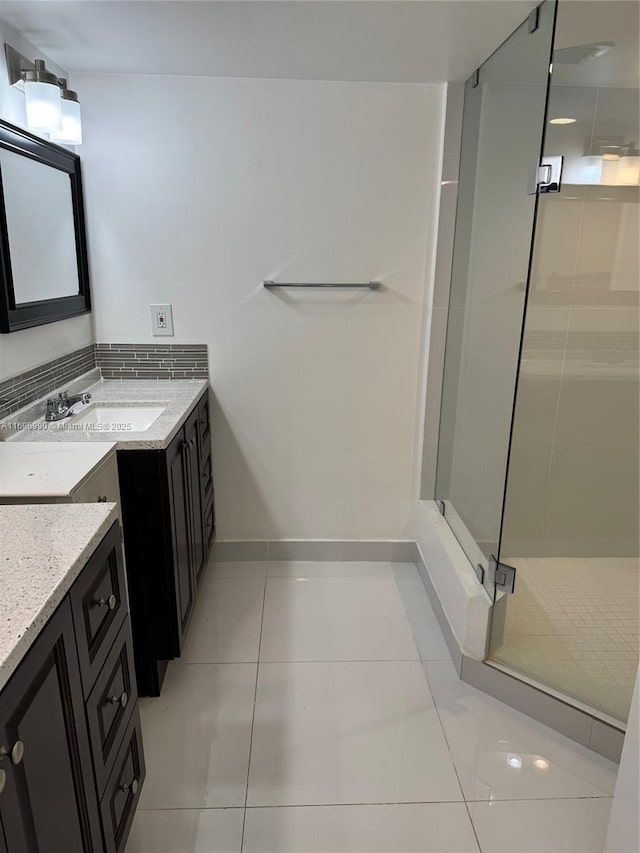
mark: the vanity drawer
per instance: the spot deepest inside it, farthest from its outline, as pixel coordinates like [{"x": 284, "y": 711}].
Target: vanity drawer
[
  {"x": 110, "y": 703},
  {"x": 118, "y": 804},
  {"x": 99, "y": 604},
  {"x": 101, "y": 486}
]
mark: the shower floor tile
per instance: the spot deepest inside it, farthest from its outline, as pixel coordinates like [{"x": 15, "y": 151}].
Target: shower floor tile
[{"x": 574, "y": 623}]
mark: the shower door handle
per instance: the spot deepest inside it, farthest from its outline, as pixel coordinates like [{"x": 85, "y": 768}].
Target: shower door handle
[{"x": 546, "y": 177}]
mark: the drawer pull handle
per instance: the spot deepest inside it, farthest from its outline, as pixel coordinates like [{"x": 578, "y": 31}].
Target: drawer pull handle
[
  {"x": 133, "y": 787},
  {"x": 102, "y": 499},
  {"x": 16, "y": 753},
  {"x": 119, "y": 700},
  {"x": 107, "y": 602}
]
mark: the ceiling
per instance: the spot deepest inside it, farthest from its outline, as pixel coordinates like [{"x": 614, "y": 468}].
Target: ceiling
[{"x": 383, "y": 41}]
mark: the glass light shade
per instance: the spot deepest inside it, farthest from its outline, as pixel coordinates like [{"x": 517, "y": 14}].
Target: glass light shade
[
  {"x": 610, "y": 170},
  {"x": 70, "y": 132},
  {"x": 629, "y": 170},
  {"x": 44, "y": 110}
]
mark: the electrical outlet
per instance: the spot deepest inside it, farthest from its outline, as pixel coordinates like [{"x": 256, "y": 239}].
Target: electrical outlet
[{"x": 161, "y": 320}]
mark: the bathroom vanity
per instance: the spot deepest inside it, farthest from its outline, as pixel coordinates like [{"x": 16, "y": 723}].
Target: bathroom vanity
[
  {"x": 169, "y": 523},
  {"x": 71, "y": 757},
  {"x": 149, "y": 440}
]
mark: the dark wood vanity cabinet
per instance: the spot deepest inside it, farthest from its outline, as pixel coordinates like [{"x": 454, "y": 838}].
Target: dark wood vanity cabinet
[
  {"x": 169, "y": 526},
  {"x": 66, "y": 717},
  {"x": 49, "y": 801}
]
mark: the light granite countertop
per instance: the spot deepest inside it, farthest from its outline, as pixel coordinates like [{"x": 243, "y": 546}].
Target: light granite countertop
[
  {"x": 177, "y": 396},
  {"x": 44, "y": 549},
  {"x": 33, "y": 469}
]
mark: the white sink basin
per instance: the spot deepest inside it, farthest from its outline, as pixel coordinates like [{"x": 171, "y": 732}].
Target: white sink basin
[{"x": 117, "y": 417}]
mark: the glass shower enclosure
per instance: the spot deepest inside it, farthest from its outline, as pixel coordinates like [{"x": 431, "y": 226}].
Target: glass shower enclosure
[{"x": 537, "y": 470}]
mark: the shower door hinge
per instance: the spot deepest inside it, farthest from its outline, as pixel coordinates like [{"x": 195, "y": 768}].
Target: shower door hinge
[
  {"x": 502, "y": 575},
  {"x": 546, "y": 177},
  {"x": 440, "y": 505}
]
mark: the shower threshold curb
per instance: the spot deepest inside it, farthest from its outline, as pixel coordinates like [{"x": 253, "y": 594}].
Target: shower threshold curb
[{"x": 577, "y": 722}]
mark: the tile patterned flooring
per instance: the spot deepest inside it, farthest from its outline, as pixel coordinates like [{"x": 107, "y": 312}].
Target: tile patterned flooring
[
  {"x": 574, "y": 623},
  {"x": 306, "y": 716}
]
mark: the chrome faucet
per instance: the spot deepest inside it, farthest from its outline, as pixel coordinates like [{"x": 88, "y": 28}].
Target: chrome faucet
[{"x": 60, "y": 407}]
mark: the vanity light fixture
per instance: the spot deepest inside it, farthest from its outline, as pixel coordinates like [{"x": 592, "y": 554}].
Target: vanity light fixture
[
  {"x": 51, "y": 107},
  {"x": 562, "y": 121}
]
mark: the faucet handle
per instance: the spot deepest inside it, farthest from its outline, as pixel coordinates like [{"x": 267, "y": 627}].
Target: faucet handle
[{"x": 85, "y": 397}]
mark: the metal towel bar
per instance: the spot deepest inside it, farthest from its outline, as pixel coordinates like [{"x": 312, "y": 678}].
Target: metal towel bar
[{"x": 371, "y": 285}]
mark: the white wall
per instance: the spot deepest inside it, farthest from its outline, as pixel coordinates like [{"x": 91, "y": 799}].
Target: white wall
[
  {"x": 197, "y": 189},
  {"x": 22, "y": 350}
]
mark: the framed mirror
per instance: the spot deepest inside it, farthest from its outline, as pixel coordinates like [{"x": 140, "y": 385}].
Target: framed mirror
[{"x": 44, "y": 273}]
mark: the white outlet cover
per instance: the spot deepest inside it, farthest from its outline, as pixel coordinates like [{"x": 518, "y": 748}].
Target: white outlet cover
[{"x": 161, "y": 320}]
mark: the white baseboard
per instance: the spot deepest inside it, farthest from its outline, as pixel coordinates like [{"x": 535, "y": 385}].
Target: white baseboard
[{"x": 339, "y": 550}]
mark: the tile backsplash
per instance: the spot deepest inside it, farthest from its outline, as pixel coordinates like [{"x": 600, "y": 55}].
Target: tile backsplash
[
  {"x": 152, "y": 361},
  {"x": 115, "y": 361},
  {"x": 24, "y": 388}
]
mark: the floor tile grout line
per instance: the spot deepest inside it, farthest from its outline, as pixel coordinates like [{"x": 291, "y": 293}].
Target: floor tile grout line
[
  {"x": 371, "y": 804},
  {"x": 453, "y": 763},
  {"x": 253, "y": 716}
]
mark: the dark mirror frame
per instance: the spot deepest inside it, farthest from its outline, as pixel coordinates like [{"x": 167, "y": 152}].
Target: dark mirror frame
[{"x": 24, "y": 315}]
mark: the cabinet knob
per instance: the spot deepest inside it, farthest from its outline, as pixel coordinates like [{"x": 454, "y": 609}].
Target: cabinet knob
[
  {"x": 119, "y": 700},
  {"x": 133, "y": 787},
  {"x": 107, "y": 602},
  {"x": 16, "y": 753}
]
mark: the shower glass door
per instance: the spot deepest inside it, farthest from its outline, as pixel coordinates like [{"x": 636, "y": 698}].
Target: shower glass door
[
  {"x": 503, "y": 125},
  {"x": 572, "y": 512}
]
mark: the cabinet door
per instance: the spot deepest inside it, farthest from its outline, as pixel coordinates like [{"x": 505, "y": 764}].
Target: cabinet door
[
  {"x": 49, "y": 801},
  {"x": 179, "y": 507},
  {"x": 193, "y": 451}
]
